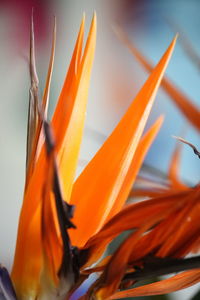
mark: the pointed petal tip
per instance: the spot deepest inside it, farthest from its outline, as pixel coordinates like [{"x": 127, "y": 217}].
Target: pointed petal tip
[
  {"x": 173, "y": 42},
  {"x": 161, "y": 119},
  {"x": 82, "y": 24},
  {"x": 172, "y": 45},
  {"x": 176, "y": 36},
  {"x": 94, "y": 19},
  {"x": 94, "y": 15},
  {"x": 83, "y": 19}
]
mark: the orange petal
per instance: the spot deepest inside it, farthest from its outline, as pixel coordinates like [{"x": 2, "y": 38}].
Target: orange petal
[
  {"x": 185, "y": 43},
  {"x": 135, "y": 214},
  {"x": 173, "y": 236},
  {"x": 68, "y": 83},
  {"x": 174, "y": 169},
  {"x": 107, "y": 171},
  {"x": 28, "y": 255},
  {"x": 118, "y": 263},
  {"x": 147, "y": 186},
  {"x": 185, "y": 226},
  {"x": 51, "y": 239},
  {"x": 69, "y": 116},
  {"x": 166, "y": 286},
  {"x": 26, "y": 272},
  {"x": 131, "y": 217},
  {"x": 134, "y": 168},
  {"x": 150, "y": 193},
  {"x": 185, "y": 105}
]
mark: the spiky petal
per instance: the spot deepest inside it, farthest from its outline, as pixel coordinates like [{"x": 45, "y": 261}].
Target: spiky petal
[{"x": 113, "y": 161}]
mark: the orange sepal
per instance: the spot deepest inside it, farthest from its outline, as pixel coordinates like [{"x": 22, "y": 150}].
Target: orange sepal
[
  {"x": 133, "y": 216},
  {"x": 135, "y": 165},
  {"x": 118, "y": 264},
  {"x": 174, "y": 236},
  {"x": 184, "y": 227},
  {"x": 166, "y": 286},
  {"x": 26, "y": 271},
  {"x": 113, "y": 161},
  {"x": 143, "y": 192},
  {"x": 143, "y": 146},
  {"x": 146, "y": 186}
]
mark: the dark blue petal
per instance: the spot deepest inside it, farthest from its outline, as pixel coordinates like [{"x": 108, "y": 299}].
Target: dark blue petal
[{"x": 7, "y": 291}]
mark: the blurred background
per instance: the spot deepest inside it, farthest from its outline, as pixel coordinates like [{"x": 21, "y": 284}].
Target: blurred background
[{"x": 116, "y": 79}]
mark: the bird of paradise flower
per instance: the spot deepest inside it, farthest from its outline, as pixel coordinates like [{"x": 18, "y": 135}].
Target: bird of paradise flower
[{"x": 66, "y": 225}]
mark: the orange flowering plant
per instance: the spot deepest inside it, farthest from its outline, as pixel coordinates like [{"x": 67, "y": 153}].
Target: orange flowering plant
[{"x": 66, "y": 225}]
